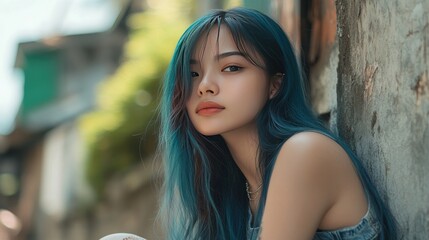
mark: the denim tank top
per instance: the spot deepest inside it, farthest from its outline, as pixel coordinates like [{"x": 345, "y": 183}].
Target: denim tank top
[{"x": 367, "y": 229}]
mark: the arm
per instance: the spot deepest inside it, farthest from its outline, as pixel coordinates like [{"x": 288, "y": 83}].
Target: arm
[{"x": 305, "y": 184}]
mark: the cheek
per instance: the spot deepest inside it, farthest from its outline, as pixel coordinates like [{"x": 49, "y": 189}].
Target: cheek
[
  {"x": 255, "y": 93},
  {"x": 190, "y": 103},
  {"x": 190, "y": 109}
]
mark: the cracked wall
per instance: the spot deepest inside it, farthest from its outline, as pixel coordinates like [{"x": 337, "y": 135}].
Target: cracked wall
[{"x": 383, "y": 100}]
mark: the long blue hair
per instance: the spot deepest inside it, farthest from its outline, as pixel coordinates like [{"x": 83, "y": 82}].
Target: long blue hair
[{"x": 204, "y": 190}]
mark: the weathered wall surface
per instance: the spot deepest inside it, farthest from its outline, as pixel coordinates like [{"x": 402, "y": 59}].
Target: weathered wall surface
[{"x": 383, "y": 100}]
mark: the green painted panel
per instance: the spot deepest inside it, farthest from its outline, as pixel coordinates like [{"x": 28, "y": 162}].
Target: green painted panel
[{"x": 41, "y": 79}]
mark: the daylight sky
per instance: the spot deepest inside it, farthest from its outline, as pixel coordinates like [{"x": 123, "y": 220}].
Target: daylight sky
[{"x": 30, "y": 20}]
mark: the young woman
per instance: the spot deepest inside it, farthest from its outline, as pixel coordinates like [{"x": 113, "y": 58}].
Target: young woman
[{"x": 244, "y": 156}]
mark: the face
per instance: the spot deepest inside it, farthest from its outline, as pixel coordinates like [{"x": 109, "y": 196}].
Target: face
[{"x": 228, "y": 90}]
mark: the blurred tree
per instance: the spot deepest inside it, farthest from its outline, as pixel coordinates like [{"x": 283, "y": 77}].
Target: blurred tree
[{"x": 122, "y": 130}]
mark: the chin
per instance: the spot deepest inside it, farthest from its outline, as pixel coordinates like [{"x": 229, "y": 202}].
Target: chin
[{"x": 208, "y": 133}]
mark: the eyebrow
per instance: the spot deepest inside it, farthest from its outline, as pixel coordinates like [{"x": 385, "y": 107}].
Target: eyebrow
[
  {"x": 222, "y": 55},
  {"x": 227, "y": 54}
]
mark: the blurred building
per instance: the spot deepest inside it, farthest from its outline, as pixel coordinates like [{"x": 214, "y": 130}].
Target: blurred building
[{"x": 41, "y": 162}]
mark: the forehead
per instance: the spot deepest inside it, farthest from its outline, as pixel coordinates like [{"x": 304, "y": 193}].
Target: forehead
[{"x": 217, "y": 39}]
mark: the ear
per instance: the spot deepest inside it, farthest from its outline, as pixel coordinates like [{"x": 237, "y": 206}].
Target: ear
[{"x": 276, "y": 81}]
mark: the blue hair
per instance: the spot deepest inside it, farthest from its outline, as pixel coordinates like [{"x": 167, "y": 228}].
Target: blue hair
[{"x": 204, "y": 194}]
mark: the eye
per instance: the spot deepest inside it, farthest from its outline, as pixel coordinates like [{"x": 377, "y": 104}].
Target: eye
[
  {"x": 194, "y": 74},
  {"x": 232, "y": 68}
]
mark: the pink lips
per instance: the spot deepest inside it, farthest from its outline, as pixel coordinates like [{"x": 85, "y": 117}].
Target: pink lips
[{"x": 208, "y": 108}]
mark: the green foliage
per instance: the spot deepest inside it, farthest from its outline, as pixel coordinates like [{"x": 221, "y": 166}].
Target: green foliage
[{"x": 123, "y": 129}]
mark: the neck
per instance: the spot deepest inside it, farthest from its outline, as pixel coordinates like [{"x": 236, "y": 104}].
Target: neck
[{"x": 243, "y": 145}]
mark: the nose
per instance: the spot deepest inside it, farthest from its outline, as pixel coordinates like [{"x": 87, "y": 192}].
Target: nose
[{"x": 208, "y": 85}]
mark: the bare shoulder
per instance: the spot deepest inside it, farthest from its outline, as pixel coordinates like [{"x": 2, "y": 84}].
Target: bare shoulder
[
  {"x": 316, "y": 158},
  {"x": 311, "y": 140},
  {"x": 314, "y": 149},
  {"x": 312, "y": 185},
  {"x": 306, "y": 182}
]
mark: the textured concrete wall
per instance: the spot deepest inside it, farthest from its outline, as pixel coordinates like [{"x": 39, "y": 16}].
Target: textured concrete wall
[{"x": 383, "y": 100}]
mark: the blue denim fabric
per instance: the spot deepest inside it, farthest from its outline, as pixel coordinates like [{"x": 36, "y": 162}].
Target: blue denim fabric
[{"x": 367, "y": 229}]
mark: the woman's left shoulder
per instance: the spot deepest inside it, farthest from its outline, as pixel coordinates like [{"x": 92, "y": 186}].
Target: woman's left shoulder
[
  {"x": 313, "y": 143},
  {"x": 308, "y": 177},
  {"x": 314, "y": 151},
  {"x": 311, "y": 140}
]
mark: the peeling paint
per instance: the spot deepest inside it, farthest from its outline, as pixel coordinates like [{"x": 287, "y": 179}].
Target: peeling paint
[
  {"x": 422, "y": 87},
  {"x": 370, "y": 71}
]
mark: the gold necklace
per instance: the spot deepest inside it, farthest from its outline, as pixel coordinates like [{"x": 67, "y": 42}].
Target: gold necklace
[{"x": 254, "y": 193}]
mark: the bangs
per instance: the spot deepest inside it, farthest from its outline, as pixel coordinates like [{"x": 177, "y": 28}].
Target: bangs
[{"x": 242, "y": 39}]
